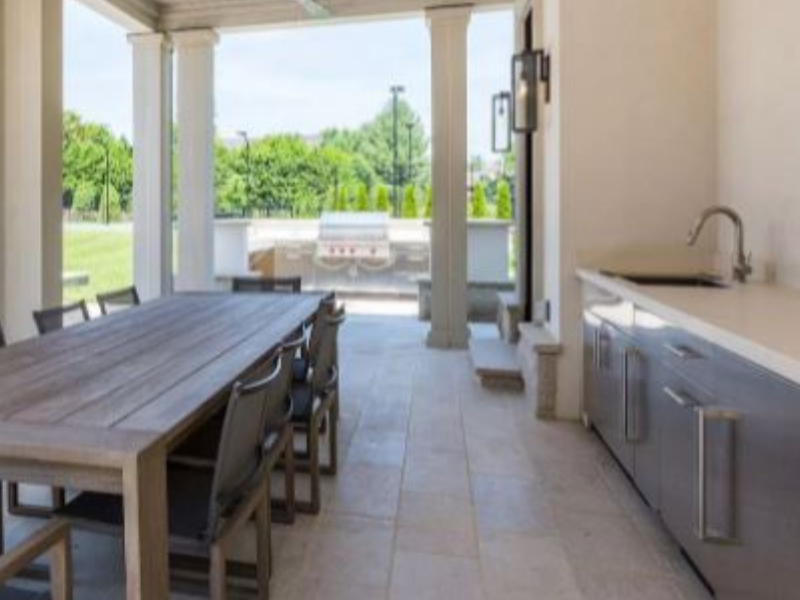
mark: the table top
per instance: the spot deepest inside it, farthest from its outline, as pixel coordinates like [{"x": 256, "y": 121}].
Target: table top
[{"x": 98, "y": 392}]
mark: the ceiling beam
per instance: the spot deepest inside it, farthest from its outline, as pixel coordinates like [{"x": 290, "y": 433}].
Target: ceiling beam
[
  {"x": 254, "y": 14},
  {"x": 137, "y": 16}
]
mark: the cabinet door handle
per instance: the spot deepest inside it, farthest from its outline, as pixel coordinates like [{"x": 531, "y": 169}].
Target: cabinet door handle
[
  {"x": 722, "y": 529},
  {"x": 682, "y": 352},
  {"x": 681, "y": 400},
  {"x": 596, "y": 349}
]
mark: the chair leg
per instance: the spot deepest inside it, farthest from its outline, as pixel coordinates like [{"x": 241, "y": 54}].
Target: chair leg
[
  {"x": 263, "y": 547},
  {"x": 217, "y": 580},
  {"x": 312, "y": 446},
  {"x": 2, "y": 523},
  {"x": 333, "y": 441},
  {"x": 59, "y": 498},
  {"x": 289, "y": 474},
  {"x": 61, "y": 568},
  {"x": 284, "y": 509}
]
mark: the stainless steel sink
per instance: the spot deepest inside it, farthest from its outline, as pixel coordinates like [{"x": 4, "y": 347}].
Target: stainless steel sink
[{"x": 697, "y": 280}]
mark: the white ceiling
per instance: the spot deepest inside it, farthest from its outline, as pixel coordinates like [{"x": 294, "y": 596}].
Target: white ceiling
[{"x": 186, "y": 14}]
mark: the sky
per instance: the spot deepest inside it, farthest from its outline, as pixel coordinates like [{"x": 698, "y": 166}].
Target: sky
[{"x": 299, "y": 80}]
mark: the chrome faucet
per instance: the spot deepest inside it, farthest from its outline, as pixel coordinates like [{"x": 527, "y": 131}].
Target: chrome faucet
[{"x": 741, "y": 268}]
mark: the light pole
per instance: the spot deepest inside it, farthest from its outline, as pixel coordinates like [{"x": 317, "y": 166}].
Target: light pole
[
  {"x": 396, "y": 90},
  {"x": 409, "y": 169},
  {"x": 247, "y": 180},
  {"x": 108, "y": 182}
]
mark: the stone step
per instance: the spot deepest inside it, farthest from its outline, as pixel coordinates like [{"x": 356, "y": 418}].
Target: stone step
[{"x": 496, "y": 364}]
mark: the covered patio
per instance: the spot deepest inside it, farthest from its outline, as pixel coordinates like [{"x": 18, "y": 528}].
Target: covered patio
[{"x": 446, "y": 491}]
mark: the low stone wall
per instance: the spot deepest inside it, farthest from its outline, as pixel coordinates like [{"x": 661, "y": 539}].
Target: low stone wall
[{"x": 482, "y": 299}]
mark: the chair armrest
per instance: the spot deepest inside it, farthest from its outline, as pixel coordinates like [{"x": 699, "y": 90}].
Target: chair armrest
[{"x": 55, "y": 538}]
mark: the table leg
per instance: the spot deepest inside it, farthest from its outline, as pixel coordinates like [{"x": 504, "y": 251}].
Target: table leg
[{"x": 146, "y": 537}]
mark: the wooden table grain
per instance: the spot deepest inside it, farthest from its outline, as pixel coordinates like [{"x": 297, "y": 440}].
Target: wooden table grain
[{"x": 98, "y": 406}]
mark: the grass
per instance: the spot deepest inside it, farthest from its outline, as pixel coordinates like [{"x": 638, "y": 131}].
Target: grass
[{"x": 104, "y": 254}]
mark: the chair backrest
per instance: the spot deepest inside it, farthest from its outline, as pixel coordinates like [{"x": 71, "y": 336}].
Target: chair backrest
[
  {"x": 324, "y": 374},
  {"x": 118, "y": 300},
  {"x": 326, "y": 308},
  {"x": 278, "y": 409},
  {"x": 239, "y": 456},
  {"x": 289, "y": 285},
  {"x": 60, "y": 317}
]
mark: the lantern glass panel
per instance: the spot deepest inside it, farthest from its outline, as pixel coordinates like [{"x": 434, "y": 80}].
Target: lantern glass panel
[
  {"x": 501, "y": 122},
  {"x": 524, "y": 77}
]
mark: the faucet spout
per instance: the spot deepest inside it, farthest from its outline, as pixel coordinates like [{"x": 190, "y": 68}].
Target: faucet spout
[{"x": 741, "y": 268}]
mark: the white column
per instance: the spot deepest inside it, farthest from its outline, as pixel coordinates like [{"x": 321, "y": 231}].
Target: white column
[
  {"x": 32, "y": 138},
  {"x": 152, "y": 164},
  {"x": 196, "y": 197},
  {"x": 448, "y": 27}
]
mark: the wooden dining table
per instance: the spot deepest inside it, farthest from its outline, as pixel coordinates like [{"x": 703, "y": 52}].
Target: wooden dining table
[{"x": 99, "y": 406}]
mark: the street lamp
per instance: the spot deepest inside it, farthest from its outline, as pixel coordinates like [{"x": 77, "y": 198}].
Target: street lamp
[
  {"x": 396, "y": 90},
  {"x": 409, "y": 173},
  {"x": 108, "y": 181},
  {"x": 247, "y": 158}
]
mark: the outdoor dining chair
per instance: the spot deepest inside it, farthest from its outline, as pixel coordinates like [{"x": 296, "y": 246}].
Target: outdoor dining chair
[
  {"x": 287, "y": 285},
  {"x": 200, "y": 449},
  {"x": 208, "y": 508},
  {"x": 118, "y": 300},
  {"x": 54, "y": 539},
  {"x": 47, "y": 321},
  {"x": 313, "y": 403},
  {"x": 301, "y": 367},
  {"x": 54, "y": 319}
]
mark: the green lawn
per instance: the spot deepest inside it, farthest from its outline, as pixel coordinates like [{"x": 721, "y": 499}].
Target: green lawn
[{"x": 105, "y": 254}]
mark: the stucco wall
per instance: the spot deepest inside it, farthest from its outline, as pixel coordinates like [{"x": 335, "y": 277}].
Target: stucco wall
[
  {"x": 2, "y": 162},
  {"x": 630, "y": 144},
  {"x": 759, "y": 128}
]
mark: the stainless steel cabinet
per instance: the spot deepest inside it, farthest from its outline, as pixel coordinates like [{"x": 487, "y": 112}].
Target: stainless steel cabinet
[
  {"x": 710, "y": 440},
  {"x": 680, "y": 471},
  {"x": 607, "y": 387},
  {"x": 646, "y": 376},
  {"x": 753, "y": 483}
]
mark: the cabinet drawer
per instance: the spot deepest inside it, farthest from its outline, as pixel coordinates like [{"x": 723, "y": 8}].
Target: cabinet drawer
[{"x": 689, "y": 356}]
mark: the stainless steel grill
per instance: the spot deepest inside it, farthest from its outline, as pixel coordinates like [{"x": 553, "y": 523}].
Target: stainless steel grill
[{"x": 354, "y": 236}]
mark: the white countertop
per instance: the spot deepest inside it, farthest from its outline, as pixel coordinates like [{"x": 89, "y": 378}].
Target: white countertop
[{"x": 758, "y": 322}]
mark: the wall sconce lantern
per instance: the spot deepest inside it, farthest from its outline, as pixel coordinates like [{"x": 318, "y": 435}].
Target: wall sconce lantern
[
  {"x": 501, "y": 122},
  {"x": 528, "y": 68}
]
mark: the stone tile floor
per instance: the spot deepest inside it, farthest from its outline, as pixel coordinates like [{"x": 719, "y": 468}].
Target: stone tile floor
[{"x": 448, "y": 491}]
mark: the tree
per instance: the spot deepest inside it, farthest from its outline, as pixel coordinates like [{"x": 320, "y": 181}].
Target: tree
[
  {"x": 91, "y": 152},
  {"x": 479, "y": 208},
  {"x": 233, "y": 194},
  {"x": 377, "y": 145},
  {"x": 382, "y": 203},
  {"x": 372, "y": 147},
  {"x": 504, "y": 210},
  {"x": 362, "y": 199},
  {"x": 427, "y": 211},
  {"x": 342, "y": 200},
  {"x": 409, "y": 208}
]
